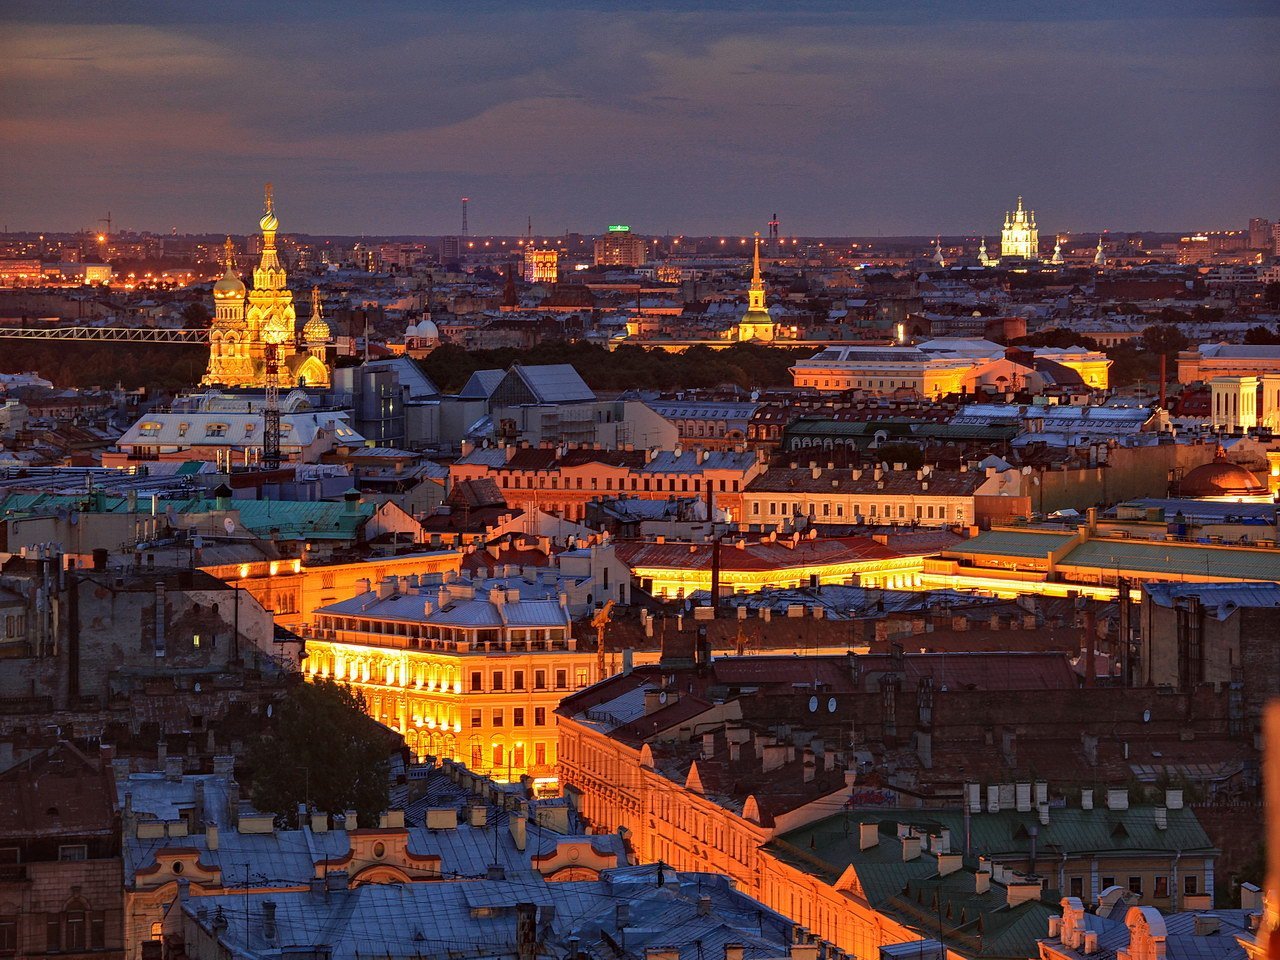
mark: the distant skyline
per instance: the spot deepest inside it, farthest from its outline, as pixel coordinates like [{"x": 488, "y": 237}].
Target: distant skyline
[{"x": 846, "y": 119}]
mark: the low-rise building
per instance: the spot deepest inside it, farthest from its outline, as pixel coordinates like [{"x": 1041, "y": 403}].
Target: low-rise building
[{"x": 469, "y": 671}]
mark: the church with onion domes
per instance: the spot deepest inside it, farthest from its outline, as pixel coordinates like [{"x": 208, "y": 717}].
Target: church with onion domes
[{"x": 250, "y": 325}]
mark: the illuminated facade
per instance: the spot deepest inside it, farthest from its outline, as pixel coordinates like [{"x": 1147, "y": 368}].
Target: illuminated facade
[
  {"x": 464, "y": 672},
  {"x": 756, "y": 323},
  {"x": 620, "y": 248},
  {"x": 246, "y": 324},
  {"x": 541, "y": 266},
  {"x": 1020, "y": 239}
]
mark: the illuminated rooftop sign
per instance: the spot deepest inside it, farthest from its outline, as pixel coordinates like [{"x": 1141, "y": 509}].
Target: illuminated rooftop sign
[{"x": 618, "y": 228}]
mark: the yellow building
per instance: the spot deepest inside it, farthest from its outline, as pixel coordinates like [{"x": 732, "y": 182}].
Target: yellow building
[
  {"x": 1020, "y": 238},
  {"x": 756, "y": 324},
  {"x": 250, "y": 326},
  {"x": 541, "y": 266},
  {"x": 464, "y": 671}
]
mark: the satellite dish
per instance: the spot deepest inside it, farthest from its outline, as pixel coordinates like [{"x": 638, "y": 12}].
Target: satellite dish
[
  {"x": 197, "y": 686},
  {"x": 813, "y": 704},
  {"x": 269, "y": 709},
  {"x": 831, "y": 705},
  {"x": 228, "y": 524},
  {"x": 1146, "y": 716},
  {"x": 662, "y": 697}
]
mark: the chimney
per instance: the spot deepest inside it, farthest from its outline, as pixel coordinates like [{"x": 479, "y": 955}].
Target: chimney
[
  {"x": 211, "y": 836},
  {"x": 1173, "y": 799},
  {"x": 734, "y": 951},
  {"x": 704, "y": 906},
  {"x": 993, "y": 798},
  {"x": 526, "y": 931},
  {"x": 1021, "y": 889},
  {"x": 1162, "y": 818},
  {"x": 621, "y": 915},
  {"x": 949, "y": 863},
  {"x": 269, "y": 919},
  {"x": 319, "y": 823},
  {"x": 519, "y": 824},
  {"x": 1086, "y": 799},
  {"x": 1023, "y": 798},
  {"x": 982, "y": 881},
  {"x": 1118, "y": 799},
  {"x": 868, "y": 835},
  {"x": 1090, "y": 942},
  {"x": 910, "y": 848}
]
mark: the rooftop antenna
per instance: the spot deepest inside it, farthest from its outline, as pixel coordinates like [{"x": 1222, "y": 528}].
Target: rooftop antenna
[
  {"x": 107, "y": 221},
  {"x": 465, "y": 201}
]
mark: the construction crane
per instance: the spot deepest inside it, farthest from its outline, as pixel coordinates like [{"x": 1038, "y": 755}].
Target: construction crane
[
  {"x": 107, "y": 220},
  {"x": 600, "y": 620},
  {"x": 271, "y": 410}
]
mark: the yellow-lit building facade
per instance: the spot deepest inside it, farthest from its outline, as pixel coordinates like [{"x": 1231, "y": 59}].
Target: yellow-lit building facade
[
  {"x": 464, "y": 672},
  {"x": 541, "y": 266},
  {"x": 883, "y": 370},
  {"x": 1020, "y": 238},
  {"x": 250, "y": 325}
]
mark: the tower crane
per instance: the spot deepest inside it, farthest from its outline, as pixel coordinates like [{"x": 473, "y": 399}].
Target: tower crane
[{"x": 600, "y": 619}]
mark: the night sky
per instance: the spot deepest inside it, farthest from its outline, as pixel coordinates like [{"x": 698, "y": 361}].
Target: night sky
[{"x": 845, "y": 117}]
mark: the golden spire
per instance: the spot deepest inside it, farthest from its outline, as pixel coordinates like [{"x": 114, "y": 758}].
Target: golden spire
[
  {"x": 270, "y": 205},
  {"x": 229, "y": 253},
  {"x": 269, "y": 222},
  {"x": 315, "y": 300},
  {"x": 755, "y": 265}
]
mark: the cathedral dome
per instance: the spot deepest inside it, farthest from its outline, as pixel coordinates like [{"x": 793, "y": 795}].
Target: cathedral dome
[
  {"x": 315, "y": 330},
  {"x": 228, "y": 287},
  {"x": 1221, "y": 479},
  {"x": 269, "y": 223},
  {"x": 424, "y": 329}
]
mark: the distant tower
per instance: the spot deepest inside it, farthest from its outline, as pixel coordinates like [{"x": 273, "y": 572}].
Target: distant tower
[
  {"x": 1020, "y": 238},
  {"x": 985, "y": 258},
  {"x": 1100, "y": 258},
  {"x": 465, "y": 201},
  {"x": 773, "y": 247},
  {"x": 1057, "y": 252},
  {"x": 937, "y": 252},
  {"x": 756, "y": 323}
]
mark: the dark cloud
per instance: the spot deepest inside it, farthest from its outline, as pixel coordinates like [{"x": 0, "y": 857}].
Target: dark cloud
[{"x": 874, "y": 117}]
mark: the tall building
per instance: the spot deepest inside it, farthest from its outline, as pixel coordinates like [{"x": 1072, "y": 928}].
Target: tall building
[
  {"x": 1020, "y": 238},
  {"x": 619, "y": 247},
  {"x": 756, "y": 323},
  {"x": 247, "y": 327},
  {"x": 541, "y": 266},
  {"x": 1260, "y": 237}
]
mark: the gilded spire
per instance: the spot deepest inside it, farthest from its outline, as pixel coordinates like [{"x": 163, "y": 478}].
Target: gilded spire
[
  {"x": 229, "y": 253},
  {"x": 269, "y": 223},
  {"x": 755, "y": 266}
]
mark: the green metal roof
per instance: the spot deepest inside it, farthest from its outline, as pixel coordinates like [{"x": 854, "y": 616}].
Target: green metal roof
[
  {"x": 1033, "y": 544},
  {"x": 1236, "y": 563}
]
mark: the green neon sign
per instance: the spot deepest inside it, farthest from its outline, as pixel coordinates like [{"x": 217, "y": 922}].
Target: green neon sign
[{"x": 618, "y": 228}]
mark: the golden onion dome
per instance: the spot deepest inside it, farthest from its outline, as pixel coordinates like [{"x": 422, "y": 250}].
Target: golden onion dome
[
  {"x": 315, "y": 329},
  {"x": 269, "y": 223},
  {"x": 228, "y": 287}
]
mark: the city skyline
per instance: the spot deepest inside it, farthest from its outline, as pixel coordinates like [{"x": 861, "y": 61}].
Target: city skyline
[{"x": 686, "y": 120}]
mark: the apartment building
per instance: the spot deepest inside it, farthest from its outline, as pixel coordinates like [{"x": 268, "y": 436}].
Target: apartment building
[
  {"x": 563, "y": 480},
  {"x": 464, "y": 670}
]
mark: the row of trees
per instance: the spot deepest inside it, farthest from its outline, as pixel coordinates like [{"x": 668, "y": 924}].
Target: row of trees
[{"x": 628, "y": 367}]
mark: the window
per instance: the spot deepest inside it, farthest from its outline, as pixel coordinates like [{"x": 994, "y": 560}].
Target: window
[
  {"x": 477, "y": 718},
  {"x": 497, "y": 717},
  {"x": 1162, "y": 888},
  {"x": 517, "y": 717},
  {"x": 76, "y": 929},
  {"x": 498, "y": 680},
  {"x": 517, "y": 759},
  {"x": 562, "y": 679},
  {"x": 476, "y": 756},
  {"x": 539, "y": 716},
  {"x": 73, "y": 851},
  {"x": 1135, "y": 885},
  {"x": 497, "y": 754},
  {"x": 580, "y": 677},
  {"x": 1077, "y": 887},
  {"x": 8, "y": 935},
  {"x": 539, "y": 754},
  {"x": 1108, "y": 882},
  {"x": 477, "y": 681},
  {"x": 53, "y": 931},
  {"x": 1190, "y": 884},
  {"x": 215, "y": 430},
  {"x": 539, "y": 679},
  {"x": 517, "y": 680}
]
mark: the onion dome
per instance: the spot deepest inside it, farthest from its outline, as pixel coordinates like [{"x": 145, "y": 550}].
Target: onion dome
[
  {"x": 229, "y": 287},
  {"x": 1220, "y": 479},
  {"x": 316, "y": 329}
]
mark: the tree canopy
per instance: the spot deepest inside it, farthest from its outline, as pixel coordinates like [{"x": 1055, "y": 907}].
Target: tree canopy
[
  {"x": 320, "y": 748},
  {"x": 629, "y": 366}
]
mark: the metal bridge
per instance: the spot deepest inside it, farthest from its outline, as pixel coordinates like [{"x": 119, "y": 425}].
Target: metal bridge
[{"x": 106, "y": 334}]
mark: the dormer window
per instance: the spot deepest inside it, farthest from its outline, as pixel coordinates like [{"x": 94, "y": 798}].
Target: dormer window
[{"x": 215, "y": 430}]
